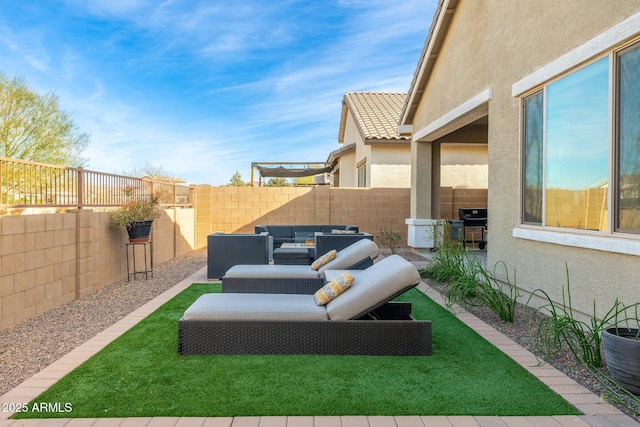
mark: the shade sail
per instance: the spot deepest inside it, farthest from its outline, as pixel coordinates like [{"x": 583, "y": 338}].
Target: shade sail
[{"x": 294, "y": 172}]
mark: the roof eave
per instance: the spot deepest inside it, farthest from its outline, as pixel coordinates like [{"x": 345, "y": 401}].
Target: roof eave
[
  {"x": 336, "y": 154},
  {"x": 351, "y": 108},
  {"x": 343, "y": 122},
  {"x": 439, "y": 26},
  {"x": 394, "y": 141}
]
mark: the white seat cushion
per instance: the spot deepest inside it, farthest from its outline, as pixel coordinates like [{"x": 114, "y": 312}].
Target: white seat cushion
[
  {"x": 373, "y": 286},
  {"x": 348, "y": 257},
  {"x": 255, "y": 307},
  {"x": 330, "y": 275},
  {"x": 272, "y": 271},
  {"x": 351, "y": 255}
]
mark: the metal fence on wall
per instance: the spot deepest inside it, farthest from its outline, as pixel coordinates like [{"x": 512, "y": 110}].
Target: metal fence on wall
[{"x": 25, "y": 184}]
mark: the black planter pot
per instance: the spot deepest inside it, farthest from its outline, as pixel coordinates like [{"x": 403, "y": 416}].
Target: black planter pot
[
  {"x": 140, "y": 231},
  {"x": 622, "y": 354}
]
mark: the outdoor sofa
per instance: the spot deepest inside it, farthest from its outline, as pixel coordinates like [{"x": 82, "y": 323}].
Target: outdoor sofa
[
  {"x": 322, "y": 243},
  {"x": 360, "y": 321},
  {"x": 286, "y": 233},
  {"x": 296, "y": 279}
]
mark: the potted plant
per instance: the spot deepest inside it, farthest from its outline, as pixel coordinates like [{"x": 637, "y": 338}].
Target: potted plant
[
  {"x": 136, "y": 216},
  {"x": 615, "y": 333},
  {"x": 621, "y": 346}
]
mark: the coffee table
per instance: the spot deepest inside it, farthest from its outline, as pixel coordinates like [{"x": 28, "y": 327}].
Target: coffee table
[{"x": 292, "y": 250}]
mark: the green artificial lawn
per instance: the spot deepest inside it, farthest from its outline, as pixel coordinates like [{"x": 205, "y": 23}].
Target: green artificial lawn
[{"x": 141, "y": 375}]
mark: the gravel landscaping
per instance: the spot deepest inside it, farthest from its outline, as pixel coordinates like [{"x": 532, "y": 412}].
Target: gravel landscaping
[{"x": 36, "y": 343}]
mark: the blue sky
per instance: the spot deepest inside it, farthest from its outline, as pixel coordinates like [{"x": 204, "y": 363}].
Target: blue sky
[{"x": 204, "y": 88}]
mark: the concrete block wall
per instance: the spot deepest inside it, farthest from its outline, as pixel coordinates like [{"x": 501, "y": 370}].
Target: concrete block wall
[
  {"x": 37, "y": 265},
  {"x": 172, "y": 234},
  {"x": 453, "y": 199},
  {"x": 371, "y": 209},
  {"x": 47, "y": 260},
  {"x": 98, "y": 258},
  {"x": 240, "y": 209}
]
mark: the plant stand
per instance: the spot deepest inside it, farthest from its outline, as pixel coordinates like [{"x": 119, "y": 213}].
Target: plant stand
[{"x": 148, "y": 261}]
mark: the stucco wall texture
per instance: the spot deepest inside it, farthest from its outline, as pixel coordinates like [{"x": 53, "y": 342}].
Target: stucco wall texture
[{"x": 492, "y": 44}]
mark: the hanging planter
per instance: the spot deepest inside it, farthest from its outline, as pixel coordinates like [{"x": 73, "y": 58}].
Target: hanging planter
[
  {"x": 140, "y": 231},
  {"x": 622, "y": 352}
]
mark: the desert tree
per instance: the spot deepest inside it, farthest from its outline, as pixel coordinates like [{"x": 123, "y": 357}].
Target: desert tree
[
  {"x": 34, "y": 127},
  {"x": 236, "y": 181}
]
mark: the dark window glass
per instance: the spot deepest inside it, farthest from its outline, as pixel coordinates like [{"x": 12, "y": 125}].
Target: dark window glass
[
  {"x": 533, "y": 156},
  {"x": 628, "y": 195}
]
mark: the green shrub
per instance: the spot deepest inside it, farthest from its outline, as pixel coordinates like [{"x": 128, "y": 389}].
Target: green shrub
[
  {"x": 615, "y": 393},
  {"x": 559, "y": 326},
  {"x": 448, "y": 262},
  {"x": 493, "y": 295},
  {"x": 469, "y": 283},
  {"x": 478, "y": 287},
  {"x": 389, "y": 238}
]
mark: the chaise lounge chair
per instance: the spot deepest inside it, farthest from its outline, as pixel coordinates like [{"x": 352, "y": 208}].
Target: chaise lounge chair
[
  {"x": 296, "y": 279},
  {"x": 361, "y": 320}
]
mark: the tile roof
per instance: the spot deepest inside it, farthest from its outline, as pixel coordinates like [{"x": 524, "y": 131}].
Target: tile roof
[{"x": 376, "y": 115}]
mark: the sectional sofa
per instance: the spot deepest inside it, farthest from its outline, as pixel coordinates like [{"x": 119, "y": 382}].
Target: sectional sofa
[{"x": 286, "y": 233}]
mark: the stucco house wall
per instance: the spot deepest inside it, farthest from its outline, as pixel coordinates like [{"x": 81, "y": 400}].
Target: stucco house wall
[
  {"x": 347, "y": 176},
  {"x": 368, "y": 125},
  {"x": 348, "y": 161},
  {"x": 489, "y": 50},
  {"x": 464, "y": 166},
  {"x": 391, "y": 166}
]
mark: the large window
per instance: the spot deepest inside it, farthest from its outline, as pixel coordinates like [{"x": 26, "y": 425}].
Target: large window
[{"x": 571, "y": 154}]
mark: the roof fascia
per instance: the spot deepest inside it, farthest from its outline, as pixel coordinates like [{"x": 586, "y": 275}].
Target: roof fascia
[
  {"x": 439, "y": 26},
  {"x": 336, "y": 154},
  {"x": 355, "y": 114},
  {"x": 404, "y": 141},
  {"x": 460, "y": 116},
  {"x": 343, "y": 122}
]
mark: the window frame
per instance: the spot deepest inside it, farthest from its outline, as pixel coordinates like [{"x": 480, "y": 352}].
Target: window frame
[
  {"x": 613, "y": 239},
  {"x": 361, "y": 173},
  {"x": 616, "y": 38},
  {"x": 616, "y": 146},
  {"x": 523, "y": 157}
]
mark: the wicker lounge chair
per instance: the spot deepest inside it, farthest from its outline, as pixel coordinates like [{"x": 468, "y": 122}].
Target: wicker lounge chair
[
  {"x": 359, "y": 321},
  {"x": 296, "y": 279}
]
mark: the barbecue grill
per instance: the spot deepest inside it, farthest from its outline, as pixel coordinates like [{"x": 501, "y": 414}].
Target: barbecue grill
[{"x": 474, "y": 218}]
